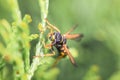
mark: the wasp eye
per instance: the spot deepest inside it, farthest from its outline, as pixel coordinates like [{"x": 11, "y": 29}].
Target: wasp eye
[{"x": 52, "y": 37}]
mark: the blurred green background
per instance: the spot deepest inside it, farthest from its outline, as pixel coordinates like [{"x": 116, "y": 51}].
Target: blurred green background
[{"x": 97, "y": 54}]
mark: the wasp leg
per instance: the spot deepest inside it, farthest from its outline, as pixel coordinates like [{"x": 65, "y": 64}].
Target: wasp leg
[
  {"x": 58, "y": 59},
  {"x": 52, "y": 26},
  {"x": 50, "y": 54},
  {"x": 47, "y": 45},
  {"x": 46, "y": 55}
]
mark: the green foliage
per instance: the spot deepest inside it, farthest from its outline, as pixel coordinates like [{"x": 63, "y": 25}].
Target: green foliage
[
  {"x": 97, "y": 54},
  {"x": 15, "y": 47}
]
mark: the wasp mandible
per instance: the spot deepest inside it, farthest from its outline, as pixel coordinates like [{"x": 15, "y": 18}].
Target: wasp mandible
[{"x": 59, "y": 41}]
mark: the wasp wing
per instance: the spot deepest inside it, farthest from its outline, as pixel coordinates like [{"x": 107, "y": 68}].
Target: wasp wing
[
  {"x": 70, "y": 56},
  {"x": 73, "y": 36},
  {"x": 73, "y": 28}
]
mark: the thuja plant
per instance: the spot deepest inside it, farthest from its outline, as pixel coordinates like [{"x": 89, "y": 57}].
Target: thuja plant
[{"x": 15, "y": 46}]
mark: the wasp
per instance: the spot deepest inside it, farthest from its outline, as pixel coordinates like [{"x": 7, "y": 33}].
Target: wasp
[{"x": 59, "y": 41}]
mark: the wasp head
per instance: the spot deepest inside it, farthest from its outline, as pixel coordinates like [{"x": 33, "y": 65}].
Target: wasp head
[{"x": 51, "y": 36}]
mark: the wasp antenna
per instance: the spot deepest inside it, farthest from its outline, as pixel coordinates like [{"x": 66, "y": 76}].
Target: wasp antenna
[{"x": 52, "y": 26}]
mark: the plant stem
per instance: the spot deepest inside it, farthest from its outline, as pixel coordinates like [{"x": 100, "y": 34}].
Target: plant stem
[
  {"x": 16, "y": 14},
  {"x": 39, "y": 47}
]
